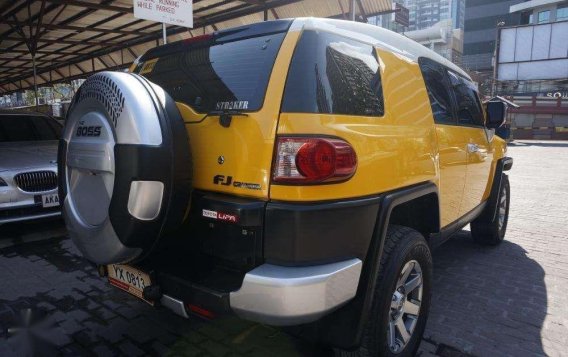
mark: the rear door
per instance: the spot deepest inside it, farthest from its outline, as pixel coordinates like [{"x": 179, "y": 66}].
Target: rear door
[
  {"x": 479, "y": 152},
  {"x": 452, "y": 143},
  {"x": 241, "y": 72}
]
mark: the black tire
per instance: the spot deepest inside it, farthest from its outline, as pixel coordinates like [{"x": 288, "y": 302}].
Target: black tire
[
  {"x": 486, "y": 229},
  {"x": 402, "y": 245}
]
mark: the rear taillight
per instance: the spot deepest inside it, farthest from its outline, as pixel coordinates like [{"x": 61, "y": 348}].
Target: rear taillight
[{"x": 312, "y": 160}]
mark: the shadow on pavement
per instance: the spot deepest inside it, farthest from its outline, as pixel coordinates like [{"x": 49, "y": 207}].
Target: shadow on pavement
[
  {"x": 32, "y": 231},
  {"x": 74, "y": 312},
  {"x": 486, "y": 300}
]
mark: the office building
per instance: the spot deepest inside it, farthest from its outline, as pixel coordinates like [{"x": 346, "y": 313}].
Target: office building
[
  {"x": 480, "y": 32},
  {"x": 436, "y": 24},
  {"x": 532, "y": 68},
  {"x": 427, "y": 13}
]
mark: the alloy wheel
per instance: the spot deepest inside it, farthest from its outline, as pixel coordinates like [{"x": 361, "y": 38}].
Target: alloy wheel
[
  {"x": 502, "y": 208},
  {"x": 405, "y": 306}
]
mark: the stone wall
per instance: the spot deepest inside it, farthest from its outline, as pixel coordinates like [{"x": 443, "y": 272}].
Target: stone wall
[{"x": 540, "y": 119}]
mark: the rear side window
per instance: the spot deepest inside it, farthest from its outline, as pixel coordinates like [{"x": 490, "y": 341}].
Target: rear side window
[
  {"x": 334, "y": 75},
  {"x": 219, "y": 76},
  {"x": 439, "y": 91},
  {"x": 468, "y": 107},
  {"x": 27, "y": 128}
]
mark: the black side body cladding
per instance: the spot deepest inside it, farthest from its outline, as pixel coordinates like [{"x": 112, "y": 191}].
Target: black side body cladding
[
  {"x": 454, "y": 227},
  {"x": 344, "y": 328},
  {"x": 319, "y": 233}
]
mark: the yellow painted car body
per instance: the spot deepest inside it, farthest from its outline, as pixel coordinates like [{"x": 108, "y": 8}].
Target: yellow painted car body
[{"x": 402, "y": 148}]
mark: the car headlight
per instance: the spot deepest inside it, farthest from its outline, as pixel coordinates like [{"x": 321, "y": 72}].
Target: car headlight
[{"x": 2, "y": 182}]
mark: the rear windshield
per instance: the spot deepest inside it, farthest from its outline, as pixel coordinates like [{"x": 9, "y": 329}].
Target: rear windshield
[
  {"x": 333, "y": 74},
  {"x": 218, "y": 76},
  {"x": 28, "y": 128}
]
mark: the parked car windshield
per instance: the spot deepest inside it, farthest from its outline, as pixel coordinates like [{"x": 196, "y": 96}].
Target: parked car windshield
[
  {"x": 218, "y": 76},
  {"x": 28, "y": 128}
]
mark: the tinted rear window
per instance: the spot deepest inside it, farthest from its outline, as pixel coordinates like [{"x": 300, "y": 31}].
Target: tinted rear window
[
  {"x": 439, "y": 91},
  {"x": 230, "y": 75},
  {"x": 28, "y": 128},
  {"x": 333, "y": 74}
]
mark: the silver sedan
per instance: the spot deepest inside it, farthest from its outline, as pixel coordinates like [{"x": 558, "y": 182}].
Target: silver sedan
[{"x": 28, "y": 166}]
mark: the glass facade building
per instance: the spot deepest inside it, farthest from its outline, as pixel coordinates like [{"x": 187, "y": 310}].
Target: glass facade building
[{"x": 480, "y": 30}]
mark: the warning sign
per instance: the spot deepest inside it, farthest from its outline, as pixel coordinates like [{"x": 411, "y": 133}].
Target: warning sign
[{"x": 175, "y": 12}]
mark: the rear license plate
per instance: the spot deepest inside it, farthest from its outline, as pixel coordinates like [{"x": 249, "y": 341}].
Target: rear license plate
[
  {"x": 51, "y": 200},
  {"x": 129, "y": 279}
]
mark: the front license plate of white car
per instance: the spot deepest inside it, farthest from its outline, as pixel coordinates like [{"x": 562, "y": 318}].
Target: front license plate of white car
[
  {"x": 51, "y": 200},
  {"x": 129, "y": 279}
]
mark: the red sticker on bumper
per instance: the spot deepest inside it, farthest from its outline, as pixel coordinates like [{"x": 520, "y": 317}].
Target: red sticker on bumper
[{"x": 221, "y": 216}]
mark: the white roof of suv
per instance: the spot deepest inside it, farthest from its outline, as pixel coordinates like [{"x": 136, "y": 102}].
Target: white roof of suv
[{"x": 377, "y": 36}]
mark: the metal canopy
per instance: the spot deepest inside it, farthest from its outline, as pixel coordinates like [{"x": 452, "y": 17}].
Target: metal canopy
[{"x": 71, "y": 39}]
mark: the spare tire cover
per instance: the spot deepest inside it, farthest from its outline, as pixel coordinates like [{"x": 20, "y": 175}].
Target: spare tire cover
[{"x": 124, "y": 167}]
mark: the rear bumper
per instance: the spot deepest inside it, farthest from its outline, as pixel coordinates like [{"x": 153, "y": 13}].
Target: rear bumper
[
  {"x": 270, "y": 294},
  {"x": 279, "y": 295},
  {"x": 273, "y": 262}
]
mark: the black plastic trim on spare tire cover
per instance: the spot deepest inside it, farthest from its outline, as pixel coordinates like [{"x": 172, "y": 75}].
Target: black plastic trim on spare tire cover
[
  {"x": 61, "y": 162},
  {"x": 161, "y": 157},
  {"x": 170, "y": 164}
]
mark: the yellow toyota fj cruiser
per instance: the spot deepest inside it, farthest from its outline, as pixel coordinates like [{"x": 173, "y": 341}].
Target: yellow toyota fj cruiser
[{"x": 293, "y": 172}]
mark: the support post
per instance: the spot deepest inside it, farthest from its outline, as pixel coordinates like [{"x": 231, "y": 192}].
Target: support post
[
  {"x": 352, "y": 5},
  {"x": 35, "y": 82},
  {"x": 496, "y": 57},
  {"x": 164, "y": 33}
]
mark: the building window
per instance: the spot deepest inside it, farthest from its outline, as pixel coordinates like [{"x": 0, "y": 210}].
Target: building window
[
  {"x": 526, "y": 18},
  {"x": 544, "y": 16},
  {"x": 562, "y": 13}
]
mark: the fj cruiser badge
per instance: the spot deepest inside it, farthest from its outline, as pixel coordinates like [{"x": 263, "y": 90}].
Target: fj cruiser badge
[
  {"x": 221, "y": 180},
  {"x": 228, "y": 181}
]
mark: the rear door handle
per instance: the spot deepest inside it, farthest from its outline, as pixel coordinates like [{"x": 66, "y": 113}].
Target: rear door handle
[{"x": 471, "y": 148}]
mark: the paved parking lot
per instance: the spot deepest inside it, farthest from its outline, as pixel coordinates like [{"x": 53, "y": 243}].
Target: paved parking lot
[{"x": 506, "y": 301}]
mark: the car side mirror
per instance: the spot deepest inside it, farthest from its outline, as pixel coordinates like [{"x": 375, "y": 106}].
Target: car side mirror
[{"x": 496, "y": 112}]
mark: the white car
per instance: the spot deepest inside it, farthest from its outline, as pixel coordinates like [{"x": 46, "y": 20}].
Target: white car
[{"x": 28, "y": 166}]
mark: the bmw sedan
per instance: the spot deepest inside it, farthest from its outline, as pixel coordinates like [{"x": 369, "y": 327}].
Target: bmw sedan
[{"x": 28, "y": 166}]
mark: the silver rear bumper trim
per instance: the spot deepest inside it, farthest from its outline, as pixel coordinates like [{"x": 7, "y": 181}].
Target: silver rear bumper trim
[
  {"x": 279, "y": 295},
  {"x": 174, "y": 305}
]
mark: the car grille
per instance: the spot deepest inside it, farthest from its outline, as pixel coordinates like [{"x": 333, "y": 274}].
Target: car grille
[{"x": 36, "y": 181}]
